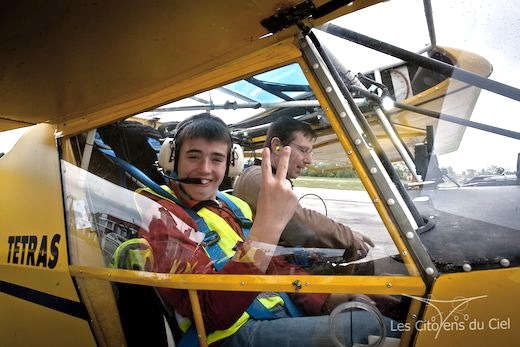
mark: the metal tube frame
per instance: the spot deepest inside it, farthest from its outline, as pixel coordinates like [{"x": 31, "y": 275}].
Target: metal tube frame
[{"x": 387, "y": 191}]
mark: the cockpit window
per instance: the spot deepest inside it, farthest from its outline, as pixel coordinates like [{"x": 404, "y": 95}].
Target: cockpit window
[
  {"x": 461, "y": 174},
  {"x": 109, "y": 198}
]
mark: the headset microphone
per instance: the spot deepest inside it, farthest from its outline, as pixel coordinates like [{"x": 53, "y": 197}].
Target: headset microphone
[{"x": 187, "y": 180}]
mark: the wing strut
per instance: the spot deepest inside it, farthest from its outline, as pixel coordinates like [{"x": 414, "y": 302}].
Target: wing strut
[{"x": 425, "y": 62}]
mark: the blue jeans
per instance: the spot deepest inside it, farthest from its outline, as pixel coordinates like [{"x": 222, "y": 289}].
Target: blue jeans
[{"x": 351, "y": 327}]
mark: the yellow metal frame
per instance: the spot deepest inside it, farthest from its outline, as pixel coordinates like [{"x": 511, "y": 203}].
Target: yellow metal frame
[
  {"x": 387, "y": 285},
  {"x": 381, "y": 208},
  {"x": 94, "y": 280},
  {"x": 391, "y": 285},
  {"x": 360, "y": 169},
  {"x": 32, "y": 204}
]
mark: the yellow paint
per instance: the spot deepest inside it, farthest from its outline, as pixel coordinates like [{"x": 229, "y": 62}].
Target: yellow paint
[
  {"x": 276, "y": 55},
  {"x": 31, "y": 205},
  {"x": 490, "y": 318},
  {"x": 197, "y": 316},
  {"x": 109, "y": 57}
]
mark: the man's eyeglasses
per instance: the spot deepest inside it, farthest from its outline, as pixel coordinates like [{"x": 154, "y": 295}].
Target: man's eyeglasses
[{"x": 302, "y": 149}]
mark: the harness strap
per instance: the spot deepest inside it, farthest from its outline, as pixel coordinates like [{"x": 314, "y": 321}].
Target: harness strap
[
  {"x": 211, "y": 238},
  {"x": 212, "y": 247},
  {"x": 244, "y": 222},
  {"x": 141, "y": 177}
]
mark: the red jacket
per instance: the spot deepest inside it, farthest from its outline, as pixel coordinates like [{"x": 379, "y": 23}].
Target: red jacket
[{"x": 172, "y": 238}]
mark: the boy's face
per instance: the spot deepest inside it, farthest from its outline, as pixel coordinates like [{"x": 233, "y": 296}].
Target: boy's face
[{"x": 206, "y": 160}]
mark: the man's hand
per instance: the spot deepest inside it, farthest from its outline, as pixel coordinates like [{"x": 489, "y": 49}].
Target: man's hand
[
  {"x": 276, "y": 202},
  {"x": 361, "y": 242}
]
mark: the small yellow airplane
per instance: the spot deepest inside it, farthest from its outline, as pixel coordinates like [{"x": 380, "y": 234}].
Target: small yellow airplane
[{"x": 94, "y": 81}]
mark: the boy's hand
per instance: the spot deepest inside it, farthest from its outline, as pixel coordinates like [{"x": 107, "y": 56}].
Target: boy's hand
[{"x": 276, "y": 202}]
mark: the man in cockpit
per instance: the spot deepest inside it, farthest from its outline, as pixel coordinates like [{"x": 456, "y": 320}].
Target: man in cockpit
[{"x": 307, "y": 228}]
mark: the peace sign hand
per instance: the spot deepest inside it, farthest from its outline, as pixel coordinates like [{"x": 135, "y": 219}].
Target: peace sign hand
[{"x": 276, "y": 202}]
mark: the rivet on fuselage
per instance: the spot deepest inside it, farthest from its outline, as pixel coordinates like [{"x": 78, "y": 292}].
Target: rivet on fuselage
[{"x": 505, "y": 262}]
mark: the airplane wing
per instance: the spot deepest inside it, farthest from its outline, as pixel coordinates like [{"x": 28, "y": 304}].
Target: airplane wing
[{"x": 73, "y": 62}]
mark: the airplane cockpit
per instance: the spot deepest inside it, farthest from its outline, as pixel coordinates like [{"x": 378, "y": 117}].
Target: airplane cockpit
[
  {"x": 406, "y": 153},
  {"x": 104, "y": 168}
]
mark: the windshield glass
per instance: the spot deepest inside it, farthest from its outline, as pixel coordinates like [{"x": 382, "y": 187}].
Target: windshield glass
[
  {"x": 471, "y": 193},
  {"x": 455, "y": 147},
  {"x": 331, "y": 196},
  {"x": 239, "y": 100}
]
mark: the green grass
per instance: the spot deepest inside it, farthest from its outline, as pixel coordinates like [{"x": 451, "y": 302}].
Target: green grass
[{"x": 330, "y": 183}]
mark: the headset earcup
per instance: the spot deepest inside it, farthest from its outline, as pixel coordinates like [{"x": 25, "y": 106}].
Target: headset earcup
[
  {"x": 167, "y": 155},
  {"x": 236, "y": 161}
]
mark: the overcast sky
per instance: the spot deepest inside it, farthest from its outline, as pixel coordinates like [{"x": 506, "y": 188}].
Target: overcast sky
[{"x": 488, "y": 28}]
